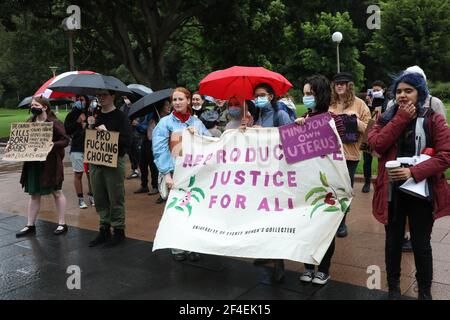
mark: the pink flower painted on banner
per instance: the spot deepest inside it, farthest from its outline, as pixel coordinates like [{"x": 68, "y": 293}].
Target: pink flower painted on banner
[
  {"x": 327, "y": 197},
  {"x": 185, "y": 202}
]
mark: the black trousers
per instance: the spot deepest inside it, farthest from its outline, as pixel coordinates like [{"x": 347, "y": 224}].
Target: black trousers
[
  {"x": 351, "y": 166},
  {"x": 419, "y": 213},
  {"x": 324, "y": 265},
  {"x": 367, "y": 166},
  {"x": 133, "y": 153},
  {"x": 146, "y": 161}
]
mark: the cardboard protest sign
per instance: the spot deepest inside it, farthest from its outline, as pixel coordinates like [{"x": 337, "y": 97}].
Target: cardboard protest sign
[
  {"x": 313, "y": 139},
  {"x": 101, "y": 148},
  {"x": 29, "y": 141},
  {"x": 237, "y": 196}
]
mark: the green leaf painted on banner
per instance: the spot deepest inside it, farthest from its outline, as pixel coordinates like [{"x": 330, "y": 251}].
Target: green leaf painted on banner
[
  {"x": 323, "y": 179},
  {"x": 313, "y": 191},
  {"x": 195, "y": 197},
  {"x": 317, "y": 206},
  {"x": 188, "y": 206},
  {"x": 341, "y": 189},
  {"x": 181, "y": 189},
  {"x": 172, "y": 204},
  {"x": 331, "y": 209},
  {"x": 191, "y": 181},
  {"x": 199, "y": 191},
  {"x": 179, "y": 208},
  {"x": 344, "y": 205},
  {"x": 318, "y": 199}
]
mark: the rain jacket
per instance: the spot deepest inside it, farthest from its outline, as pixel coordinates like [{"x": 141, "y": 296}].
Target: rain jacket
[
  {"x": 383, "y": 140},
  {"x": 161, "y": 135}
]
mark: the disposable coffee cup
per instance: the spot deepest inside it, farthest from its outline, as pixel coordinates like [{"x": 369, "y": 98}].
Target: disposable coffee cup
[{"x": 390, "y": 165}]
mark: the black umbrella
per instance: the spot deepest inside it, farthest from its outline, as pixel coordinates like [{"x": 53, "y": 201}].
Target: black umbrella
[
  {"x": 147, "y": 103},
  {"x": 89, "y": 84},
  {"x": 139, "y": 90},
  {"x": 25, "y": 103}
]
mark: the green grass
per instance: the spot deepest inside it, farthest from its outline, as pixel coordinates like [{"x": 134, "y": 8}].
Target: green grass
[{"x": 8, "y": 116}]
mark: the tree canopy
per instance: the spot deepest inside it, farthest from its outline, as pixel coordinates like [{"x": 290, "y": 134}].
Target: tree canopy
[{"x": 163, "y": 43}]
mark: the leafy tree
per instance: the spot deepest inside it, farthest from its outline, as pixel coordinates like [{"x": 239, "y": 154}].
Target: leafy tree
[
  {"x": 413, "y": 32},
  {"x": 316, "y": 53}
]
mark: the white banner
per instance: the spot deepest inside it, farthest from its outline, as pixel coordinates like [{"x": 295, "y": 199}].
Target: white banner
[{"x": 237, "y": 196}]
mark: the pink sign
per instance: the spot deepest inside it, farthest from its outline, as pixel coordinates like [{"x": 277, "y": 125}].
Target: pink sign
[{"x": 313, "y": 139}]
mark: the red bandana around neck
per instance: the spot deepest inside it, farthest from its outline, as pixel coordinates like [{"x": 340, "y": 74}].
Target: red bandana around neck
[{"x": 183, "y": 117}]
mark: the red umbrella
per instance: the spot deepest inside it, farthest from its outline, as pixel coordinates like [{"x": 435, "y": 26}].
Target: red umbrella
[
  {"x": 50, "y": 94},
  {"x": 241, "y": 81}
]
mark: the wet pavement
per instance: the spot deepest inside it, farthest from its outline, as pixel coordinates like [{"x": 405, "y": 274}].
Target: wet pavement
[{"x": 35, "y": 268}]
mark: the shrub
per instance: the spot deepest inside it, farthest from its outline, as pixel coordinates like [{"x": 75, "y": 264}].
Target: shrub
[{"x": 440, "y": 90}]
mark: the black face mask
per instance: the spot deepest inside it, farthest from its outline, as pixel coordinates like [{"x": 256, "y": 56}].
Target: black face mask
[{"x": 36, "y": 111}]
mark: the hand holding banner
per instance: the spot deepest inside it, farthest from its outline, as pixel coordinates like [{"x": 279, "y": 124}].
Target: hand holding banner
[
  {"x": 237, "y": 196},
  {"x": 101, "y": 148},
  {"x": 29, "y": 141},
  {"x": 313, "y": 139}
]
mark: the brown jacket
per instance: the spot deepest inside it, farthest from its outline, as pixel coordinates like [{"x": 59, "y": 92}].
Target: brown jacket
[
  {"x": 53, "y": 173},
  {"x": 359, "y": 107}
]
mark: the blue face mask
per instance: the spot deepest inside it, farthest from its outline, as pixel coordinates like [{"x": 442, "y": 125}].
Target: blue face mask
[
  {"x": 262, "y": 102},
  {"x": 309, "y": 102},
  {"x": 234, "y": 112},
  {"x": 93, "y": 105},
  {"x": 79, "y": 105}
]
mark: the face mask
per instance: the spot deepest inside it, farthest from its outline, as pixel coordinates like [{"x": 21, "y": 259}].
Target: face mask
[
  {"x": 196, "y": 108},
  {"x": 234, "y": 112},
  {"x": 93, "y": 105},
  {"x": 378, "y": 95},
  {"x": 262, "y": 102},
  {"x": 309, "y": 102},
  {"x": 36, "y": 111},
  {"x": 79, "y": 105}
]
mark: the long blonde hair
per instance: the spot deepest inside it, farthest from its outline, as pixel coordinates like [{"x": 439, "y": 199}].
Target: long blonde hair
[{"x": 349, "y": 96}]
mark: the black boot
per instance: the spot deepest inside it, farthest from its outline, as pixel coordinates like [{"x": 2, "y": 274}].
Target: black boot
[
  {"x": 366, "y": 187},
  {"x": 117, "y": 237},
  {"x": 103, "y": 236},
  {"x": 395, "y": 293},
  {"x": 394, "y": 289},
  {"x": 342, "y": 230},
  {"x": 278, "y": 271},
  {"x": 425, "y": 292},
  {"x": 425, "y": 295}
]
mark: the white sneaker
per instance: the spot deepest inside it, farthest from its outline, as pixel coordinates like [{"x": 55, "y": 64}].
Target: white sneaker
[
  {"x": 91, "y": 201},
  {"x": 307, "y": 276},
  {"x": 321, "y": 278},
  {"x": 82, "y": 204}
]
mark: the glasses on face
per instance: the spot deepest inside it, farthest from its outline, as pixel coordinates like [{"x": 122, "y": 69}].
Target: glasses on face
[{"x": 261, "y": 95}]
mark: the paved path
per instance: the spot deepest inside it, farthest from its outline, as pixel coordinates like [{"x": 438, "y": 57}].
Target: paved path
[{"x": 363, "y": 247}]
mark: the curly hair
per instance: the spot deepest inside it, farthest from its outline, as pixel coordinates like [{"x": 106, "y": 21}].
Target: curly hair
[{"x": 349, "y": 95}]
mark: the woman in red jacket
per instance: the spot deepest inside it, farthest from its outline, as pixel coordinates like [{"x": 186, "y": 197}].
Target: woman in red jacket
[{"x": 405, "y": 131}]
